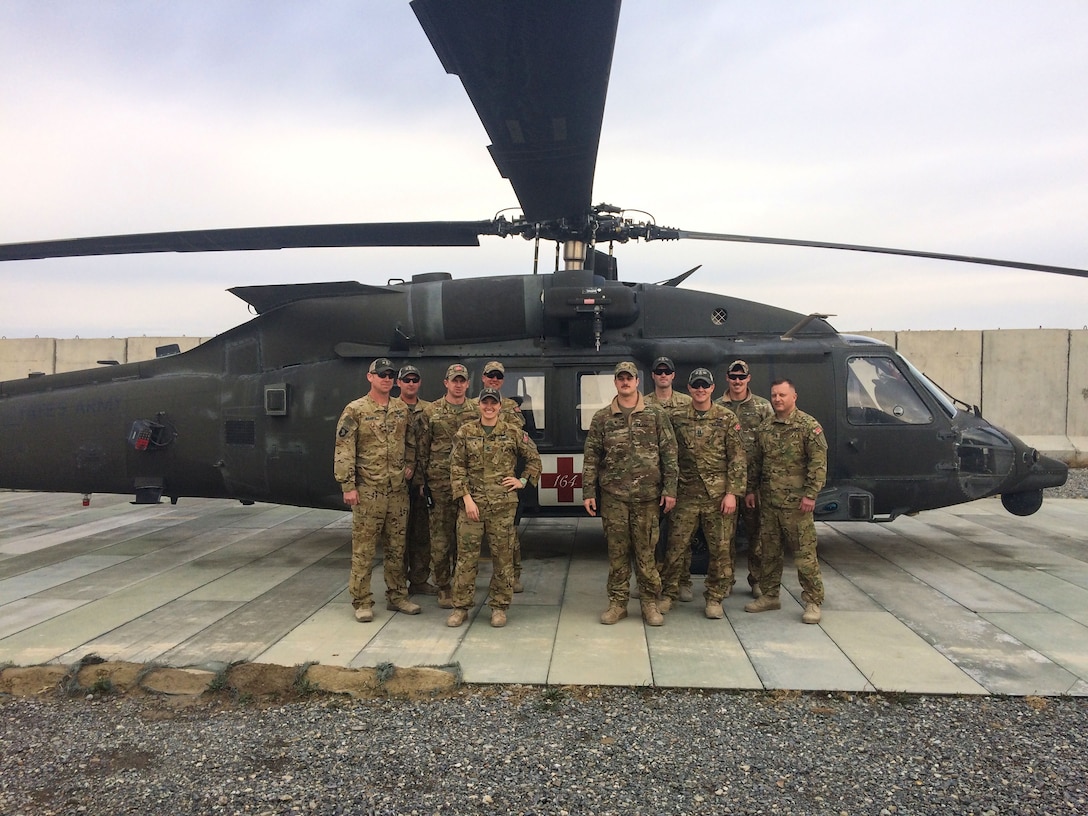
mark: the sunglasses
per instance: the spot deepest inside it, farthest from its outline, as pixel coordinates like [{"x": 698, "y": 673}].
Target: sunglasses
[
  {"x": 409, "y": 379},
  {"x": 495, "y": 375},
  {"x": 738, "y": 376},
  {"x": 700, "y": 384},
  {"x": 386, "y": 375},
  {"x": 661, "y": 371}
]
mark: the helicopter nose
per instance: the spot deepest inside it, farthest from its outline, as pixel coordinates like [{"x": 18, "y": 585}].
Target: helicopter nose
[{"x": 1036, "y": 472}]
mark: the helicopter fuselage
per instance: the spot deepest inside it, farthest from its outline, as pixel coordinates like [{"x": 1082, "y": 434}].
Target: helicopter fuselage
[{"x": 250, "y": 414}]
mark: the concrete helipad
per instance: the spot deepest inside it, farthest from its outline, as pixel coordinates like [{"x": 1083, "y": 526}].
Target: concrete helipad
[{"x": 969, "y": 600}]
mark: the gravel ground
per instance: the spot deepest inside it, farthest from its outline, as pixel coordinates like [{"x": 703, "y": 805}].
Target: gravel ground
[
  {"x": 1075, "y": 487},
  {"x": 516, "y": 749}
]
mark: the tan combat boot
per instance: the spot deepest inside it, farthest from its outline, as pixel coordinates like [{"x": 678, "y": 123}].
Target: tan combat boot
[
  {"x": 445, "y": 598},
  {"x": 714, "y": 610},
  {"x": 651, "y": 615},
  {"x": 811, "y": 613},
  {"x": 614, "y": 614},
  {"x": 405, "y": 606},
  {"x": 686, "y": 594},
  {"x": 764, "y": 603},
  {"x": 364, "y": 614},
  {"x": 456, "y": 618},
  {"x": 498, "y": 618},
  {"x": 664, "y": 605}
]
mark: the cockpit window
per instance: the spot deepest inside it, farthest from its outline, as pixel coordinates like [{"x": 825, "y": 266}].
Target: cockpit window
[{"x": 878, "y": 393}]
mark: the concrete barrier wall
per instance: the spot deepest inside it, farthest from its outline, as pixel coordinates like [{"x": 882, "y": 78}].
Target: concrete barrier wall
[
  {"x": 1032, "y": 381},
  {"x": 20, "y": 358}
]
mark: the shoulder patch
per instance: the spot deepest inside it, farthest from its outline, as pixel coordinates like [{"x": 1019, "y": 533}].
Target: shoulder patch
[
  {"x": 342, "y": 432},
  {"x": 818, "y": 430}
]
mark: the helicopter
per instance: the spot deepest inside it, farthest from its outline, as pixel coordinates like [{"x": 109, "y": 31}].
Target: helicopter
[{"x": 249, "y": 414}]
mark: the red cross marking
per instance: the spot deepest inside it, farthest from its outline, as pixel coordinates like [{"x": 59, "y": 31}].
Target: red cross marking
[{"x": 566, "y": 481}]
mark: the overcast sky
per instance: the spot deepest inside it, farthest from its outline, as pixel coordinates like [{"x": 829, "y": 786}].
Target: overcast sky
[{"x": 946, "y": 126}]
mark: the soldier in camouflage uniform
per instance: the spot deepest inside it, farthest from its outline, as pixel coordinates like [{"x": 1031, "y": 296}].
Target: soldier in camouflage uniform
[
  {"x": 493, "y": 376},
  {"x": 788, "y": 470},
  {"x": 751, "y": 410},
  {"x": 713, "y": 473},
  {"x": 418, "y": 549},
  {"x": 672, "y": 402},
  {"x": 482, "y": 477},
  {"x": 441, "y": 421},
  {"x": 630, "y": 456},
  {"x": 373, "y": 461}
]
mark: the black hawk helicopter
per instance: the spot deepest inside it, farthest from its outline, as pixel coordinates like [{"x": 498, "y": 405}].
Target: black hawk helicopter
[{"x": 250, "y": 414}]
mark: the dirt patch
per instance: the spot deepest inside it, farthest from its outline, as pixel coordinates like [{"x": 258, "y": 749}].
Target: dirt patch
[{"x": 259, "y": 683}]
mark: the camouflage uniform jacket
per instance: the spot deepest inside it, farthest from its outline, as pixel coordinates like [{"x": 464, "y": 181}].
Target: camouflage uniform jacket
[
  {"x": 374, "y": 445},
  {"x": 440, "y": 424},
  {"x": 710, "y": 453},
  {"x": 480, "y": 461},
  {"x": 674, "y": 404},
  {"x": 416, "y": 416},
  {"x": 633, "y": 458},
  {"x": 790, "y": 460},
  {"x": 511, "y": 412},
  {"x": 751, "y": 411}
]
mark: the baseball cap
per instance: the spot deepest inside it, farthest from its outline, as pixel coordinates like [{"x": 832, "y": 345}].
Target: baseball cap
[
  {"x": 701, "y": 374},
  {"x": 490, "y": 393},
  {"x": 664, "y": 361},
  {"x": 494, "y": 365},
  {"x": 456, "y": 370},
  {"x": 739, "y": 365},
  {"x": 408, "y": 369},
  {"x": 626, "y": 367},
  {"x": 382, "y": 364}
]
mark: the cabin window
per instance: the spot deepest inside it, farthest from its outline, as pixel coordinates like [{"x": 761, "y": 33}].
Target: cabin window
[
  {"x": 878, "y": 393},
  {"x": 527, "y": 387},
  {"x": 595, "y": 391}
]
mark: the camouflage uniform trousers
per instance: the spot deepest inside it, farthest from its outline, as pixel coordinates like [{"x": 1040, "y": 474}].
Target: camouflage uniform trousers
[
  {"x": 790, "y": 528},
  {"x": 418, "y": 547},
  {"x": 751, "y": 528},
  {"x": 442, "y": 519},
  {"x": 684, "y": 520},
  {"x": 380, "y": 514},
  {"x": 497, "y": 523},
  {"x": 630, "y": 531}
]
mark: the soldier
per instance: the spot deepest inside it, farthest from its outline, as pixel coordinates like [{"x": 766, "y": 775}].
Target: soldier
[
  {"x": 751, "y": 410},
  {"x": 418, "y": 549},
  {"x": 664, "y": 372},
  {"x": 788, "y": 469},
  {"x": 441, "y": 421},
  {"x": 493, "y": 376},
  {"x": 482, "y": 476},
  {"x": 712, "y": 474},
  {"x": 375, "y": 457},
  {"x": 630, "y": 454}
]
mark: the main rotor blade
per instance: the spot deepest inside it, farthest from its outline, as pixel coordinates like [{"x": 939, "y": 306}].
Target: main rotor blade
[
  {"x": 537, "y": 74},
  {"x": 407, "y": 233},
  {"x": 940, "y": 256}
]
